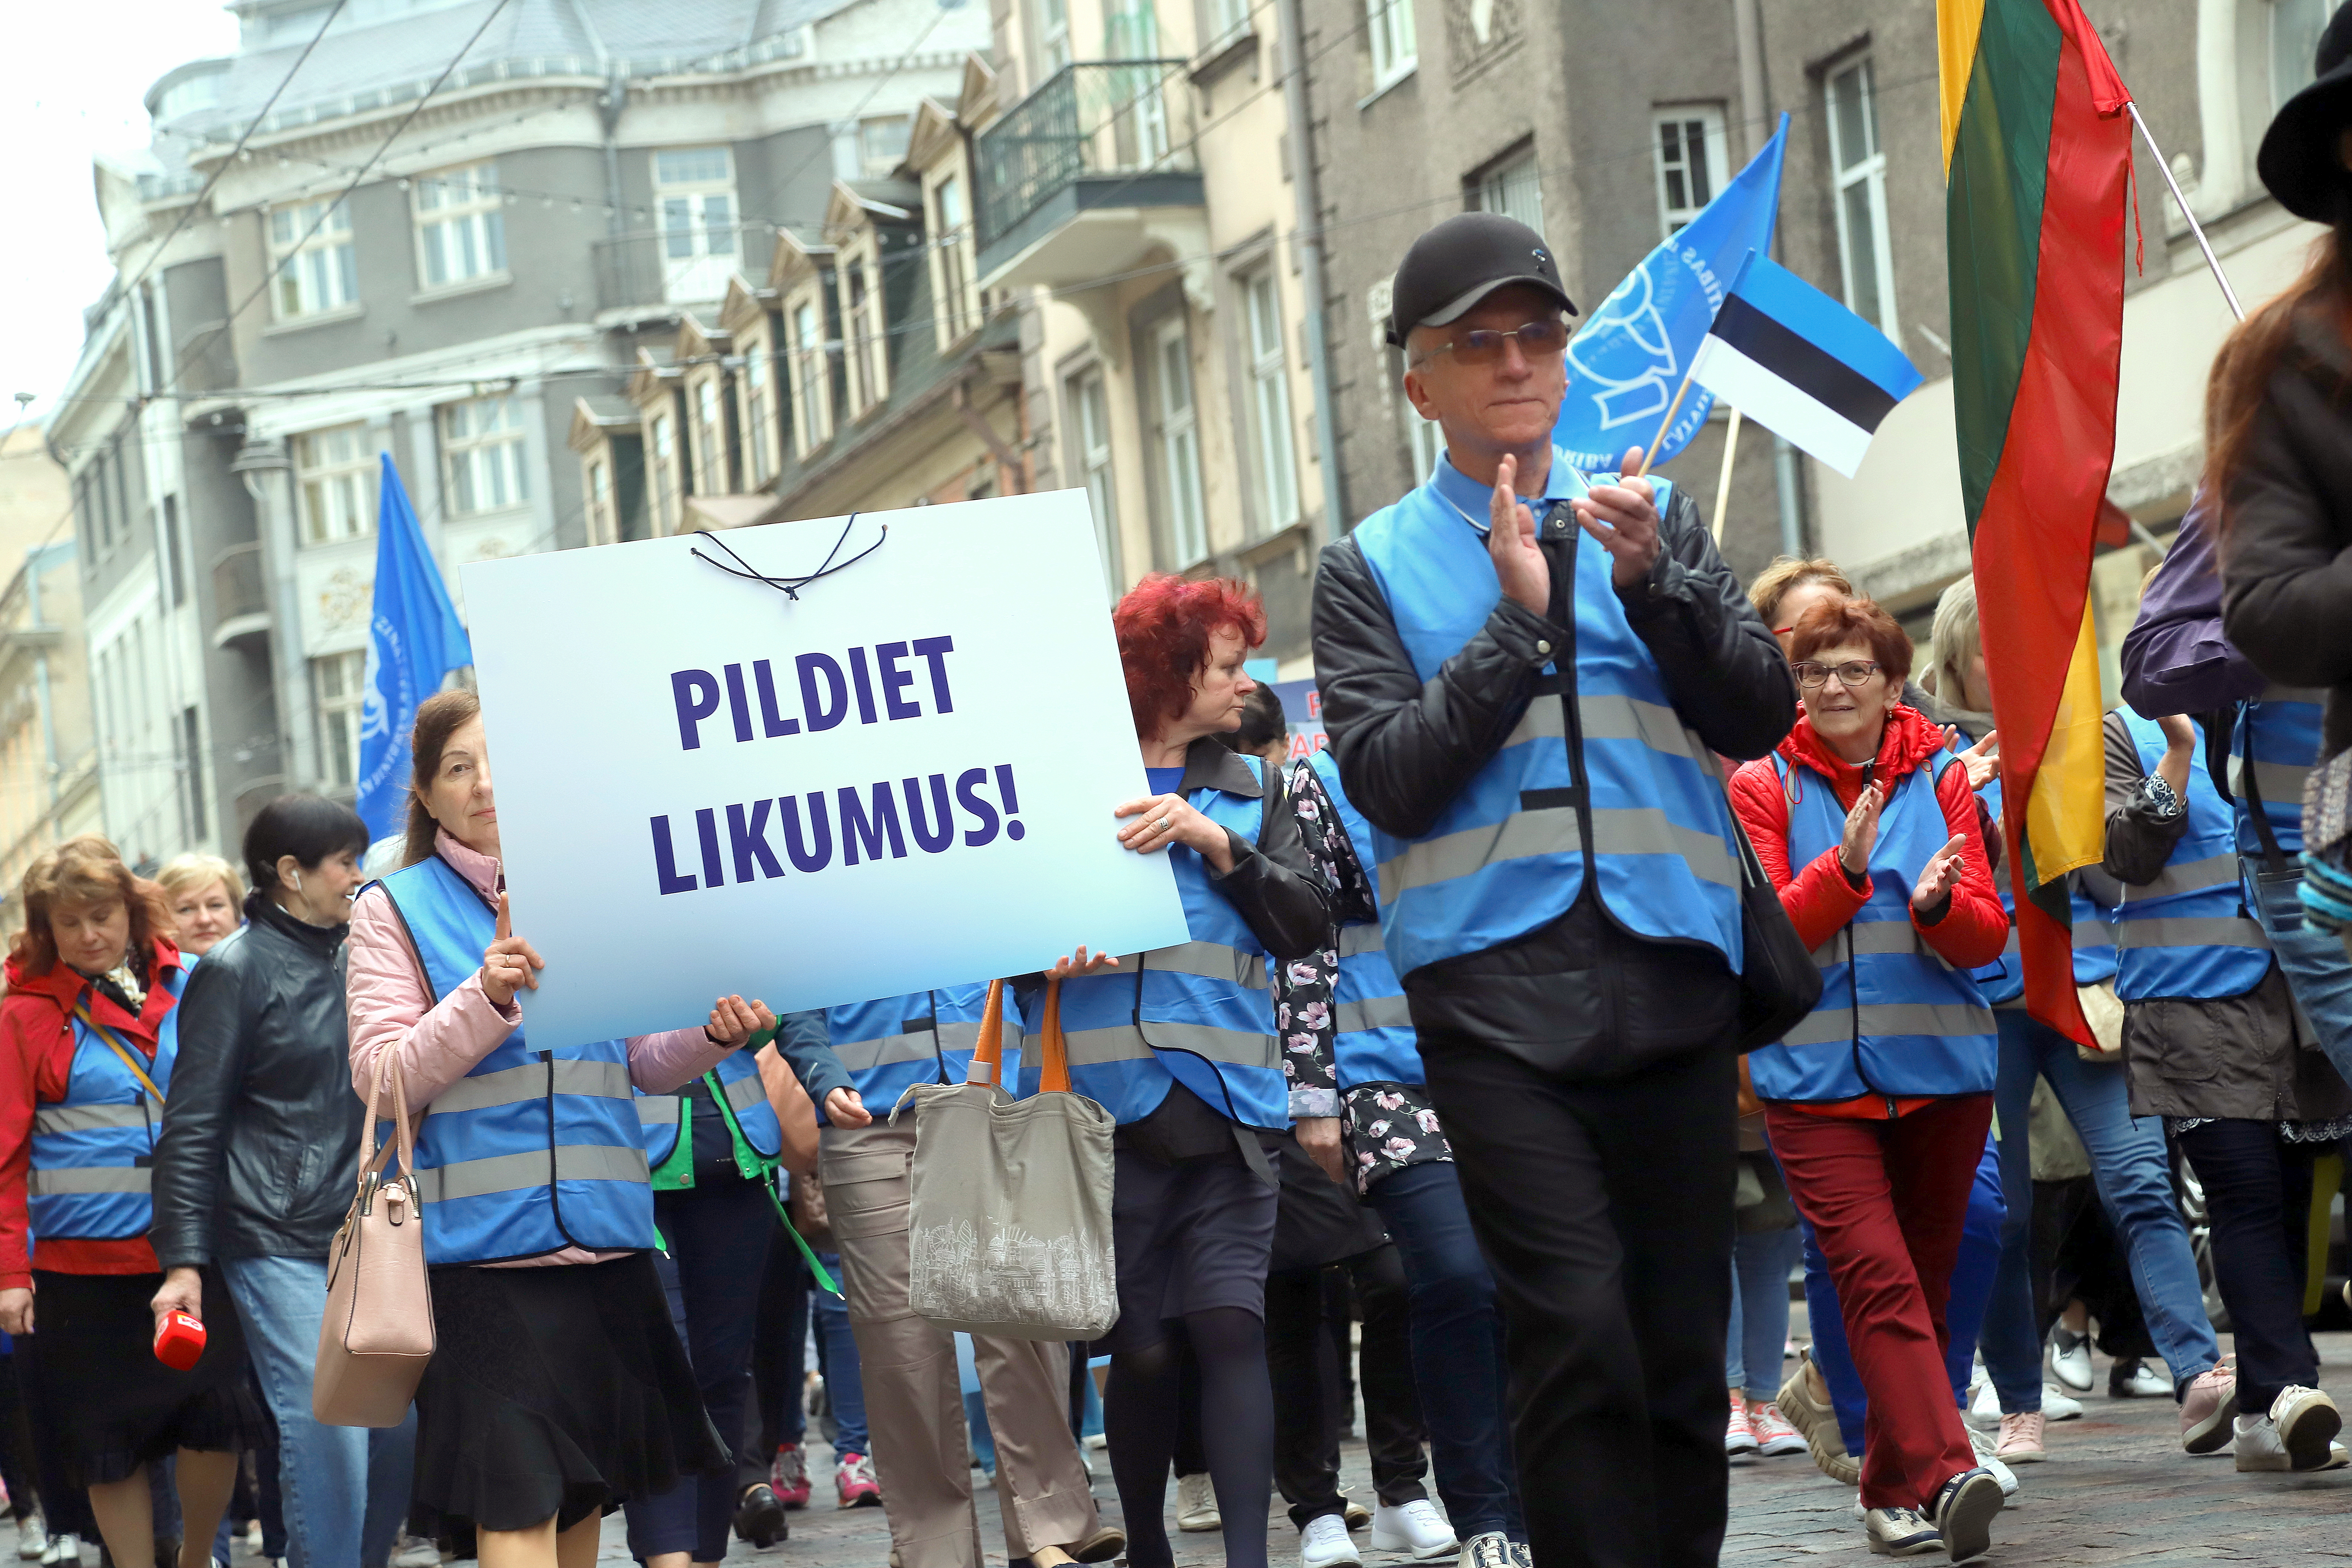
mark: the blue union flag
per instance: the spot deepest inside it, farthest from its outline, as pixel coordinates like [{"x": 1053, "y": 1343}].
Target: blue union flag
[{"x": 415, "y": 640}]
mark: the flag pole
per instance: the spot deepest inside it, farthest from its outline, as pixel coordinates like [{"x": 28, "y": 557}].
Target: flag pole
[
  {"x": 2194, "y": 226},
  {"x": 1663, "y": 423},
  {"x": 1723, "y": 482}
]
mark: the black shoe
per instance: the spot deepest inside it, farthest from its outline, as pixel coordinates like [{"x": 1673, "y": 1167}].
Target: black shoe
[{"x": 760, "y": 1517}]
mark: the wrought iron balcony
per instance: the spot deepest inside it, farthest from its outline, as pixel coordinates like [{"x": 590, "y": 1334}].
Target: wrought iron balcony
[{"x": 1097, "y": 137}]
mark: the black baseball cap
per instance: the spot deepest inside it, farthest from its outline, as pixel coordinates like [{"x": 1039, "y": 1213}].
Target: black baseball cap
[{"x": 1460, "y": 262}]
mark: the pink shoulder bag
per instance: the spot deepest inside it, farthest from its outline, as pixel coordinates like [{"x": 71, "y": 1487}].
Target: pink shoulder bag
[{"x": 378, "y": 1331}]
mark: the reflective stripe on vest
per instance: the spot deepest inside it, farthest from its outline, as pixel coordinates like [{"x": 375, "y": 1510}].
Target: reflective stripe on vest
[
  {"x": 2004, "y": 980},
  {"x": 1895, "y": 1018},
  {"x": 89, "y": 1178},
  {"x": 1197, "y": 1011},
  {"x": 1509, "y": 852},
  {"x": 893, "y": 1043},
  {"x": 2279, "y": 732},
  {"x": 2095, "y": 895},
  {"x": 2188, "y": 934},
  {"x": 1372, "y": 1036},
  {"x": 532, "y": 1151}
]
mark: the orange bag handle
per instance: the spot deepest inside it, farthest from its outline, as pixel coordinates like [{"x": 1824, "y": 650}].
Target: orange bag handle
[{"x": 988, "y": 1054}]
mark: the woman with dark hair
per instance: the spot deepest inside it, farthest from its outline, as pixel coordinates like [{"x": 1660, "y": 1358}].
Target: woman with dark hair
[
  {"x": 1180, "y": 1046},
  {"x": 254, "y": 1169},
  {"x": 1879, "y": 1102},
  {"x": 88, "y": 1035},
  {"x": 558, "y": 1388}
]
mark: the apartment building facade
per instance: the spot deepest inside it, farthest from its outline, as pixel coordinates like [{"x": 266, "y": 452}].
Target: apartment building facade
[{"x": 48, "y": 774}]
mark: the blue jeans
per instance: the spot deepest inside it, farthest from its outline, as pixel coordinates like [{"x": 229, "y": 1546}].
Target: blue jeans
[
  {"x": 2134, "y": 1177},
  {"x": 1972, "y": 1287},
  {"x": 1458, "y": 1364},
  {"x": 1761, "y": 1261},
  {"x": 345, "y": 1488},
  {"x": 843, "y": 1386},
  {"x": 2313, "y": 962}
]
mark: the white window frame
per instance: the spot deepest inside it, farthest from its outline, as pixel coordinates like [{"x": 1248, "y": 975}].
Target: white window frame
[
  {"x": 1859, "y": 175},
  {"x": 461, "y": 225},
  {"x": 1396, "y": 45},
  {"x": 882, "y": 143},
  {"x": 596, "y": 484},
  {"x": 1694, "y": 182},
  {"x": 1179, "y": 441},
  {"x": 485, "y": 456},
  {"x": 683, "y": 210},
  {"x": 339, "y": 695},
  {"x": 954, "y": 268},
  {"x": 713, "y": 474},
  {"x": 1229, "y": 19},
  {"x": 811, "y": 377},
  {"x": 1269, "y": 373},
  {"x": 661, "y": 465},
  {"x": 334, "y": 484},
  {"x": 1514, "y": 188},
  {"x": 1087, "y": 395},
  {"x": 314, "y": 275},
  {"x": 1053, "y": 34},
  {"x": 755, "y": 392},
  {"x": 865, "y": 326}
]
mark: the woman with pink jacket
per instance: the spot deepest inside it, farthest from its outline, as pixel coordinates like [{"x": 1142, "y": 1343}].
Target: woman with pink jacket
[{"x": 558, "y": 1387}]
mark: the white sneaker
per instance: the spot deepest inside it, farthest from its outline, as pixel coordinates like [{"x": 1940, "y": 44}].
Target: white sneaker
[
  {"x": 2257, "y": 1445},
  {"x": 2057, "y": 1406},
  {"x": 1416, "y": 1529},
  {"x": 32, "y": 1537},
  {"x": 1982, "y": 1444},
  {"x": 2070, "y": 1358},
  {"x": 2137, "y": 1380},
  {"x": 1984, "y": 1404},
  {"x": 1900, "y": 1532},
  {"x": 1492, "y": 1549},
  {"x": 1196, "y": 1505},
  {"x": 66, "y": 1548},
  {"x": 1325, "y": 1543},
  {"x": 2305, "y": 1419},
  {"x": 414, "y": 1552}
]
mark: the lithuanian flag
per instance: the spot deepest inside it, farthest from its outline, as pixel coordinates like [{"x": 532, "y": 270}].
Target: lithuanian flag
[{"x": 2037, "y": 149}]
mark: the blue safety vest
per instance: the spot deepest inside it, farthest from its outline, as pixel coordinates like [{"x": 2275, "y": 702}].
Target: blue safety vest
[
  {"x": 2188, "y": 933},
  {"x": 893, "y": 1043},
  {"x": 1895, "y": 1018},
  {"x": 1599, "y": 751},
  {"x": 93, "y": 1151},
  {"x": 736, "y": 1080},
  {"x": 1373, "y": 1037},
  {"x": 2002, "y": 980},
  {"x": 2095, "y": 895},
  {"x": 531, "y": 1152},
  {"x": 2278, "y": 737},
  {"x": 1199, "y": 1012}
]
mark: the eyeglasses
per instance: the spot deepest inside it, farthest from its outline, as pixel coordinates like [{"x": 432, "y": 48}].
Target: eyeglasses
[
  {"x": 1484, "y": 345},
  {"x": 1853, "y": 675}
]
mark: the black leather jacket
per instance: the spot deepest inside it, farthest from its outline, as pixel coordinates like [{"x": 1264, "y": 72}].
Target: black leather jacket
[{"x": 261, "y": 1133}]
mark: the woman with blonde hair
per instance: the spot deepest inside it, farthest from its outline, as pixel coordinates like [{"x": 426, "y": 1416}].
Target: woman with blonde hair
[
  {"x": 89, "y": 1032},
  {"x": 206, "y": 897},
  {"x": 1792, "y": 585}
]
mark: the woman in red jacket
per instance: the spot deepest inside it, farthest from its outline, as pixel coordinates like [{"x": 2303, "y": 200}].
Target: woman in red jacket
[{"x": 1879, "y": 1102}]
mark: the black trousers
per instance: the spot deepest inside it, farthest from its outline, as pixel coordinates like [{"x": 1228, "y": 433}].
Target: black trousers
[
  {"x": 1604, "y": 1211},
  {"x": 2258, "y": 1196},
  {"x": 1306, "y": 1376}
]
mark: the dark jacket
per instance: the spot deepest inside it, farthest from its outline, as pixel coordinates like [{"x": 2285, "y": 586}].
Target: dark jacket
[
  {"x": 2286, "y": 574},
  {"x": 2242, "y": 1056},
  {"x": 261, "y": 1133},
  {"x": 1579, "y": 995}
]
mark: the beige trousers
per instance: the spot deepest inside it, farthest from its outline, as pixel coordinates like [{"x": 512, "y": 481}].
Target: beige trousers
[{"x": 914, "y": 1403}]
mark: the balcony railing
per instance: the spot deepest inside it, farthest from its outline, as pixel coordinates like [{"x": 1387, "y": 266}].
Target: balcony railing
[
  {"x": 1127, "y": 119},
  {"x": 679, "y": 266}
]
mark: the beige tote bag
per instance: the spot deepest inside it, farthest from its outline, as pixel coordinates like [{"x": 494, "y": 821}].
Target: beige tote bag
[
  {"x": 1009, "y": 1228},
  {"x": 378, "y": 1331}
]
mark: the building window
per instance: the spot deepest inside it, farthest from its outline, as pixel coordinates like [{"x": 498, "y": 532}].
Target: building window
[
  {"x": 694, "y": 190},
  {"x": 1227, "y": 19},
  {"x": 192, "y": 759},
  {"x": 1859, "y": 169},
  {"x": 1180, "y": 442},
  {"x": 665, "y": 474},
  {"x": 1396, "y": 49},
  {"x": 960, "y": 310},
  {"x": 1514, "y": 188},
  {"x": 1090, "y": 417},
  {"x": 1053, "y": 33},
  {"x": 1269, "y": 372},
  {"x": 868, "y": 349},
  {"x": 811, "y": 387},
  {"x": 602, "y": 526},
  {"x": 339, "y": 681},
  {"x": 1427, "y": 438},
  {"x": 2295, "y": 27},
  {"x": 882, "y": 143},
  {"x": 173, "y": 571},
  {"x": 711, "y": 469},
  {"x": 482, "y": 442},
  {"x": 461, "y": 225},
  {"x": 759, "y": 426},
  {"x": 311, "y": 256},
  {"x": 335, "y": 476},
  {"x": 1690, "y": 154}
]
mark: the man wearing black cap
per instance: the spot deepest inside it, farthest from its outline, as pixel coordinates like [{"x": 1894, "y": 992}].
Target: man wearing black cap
[{"x": 1524, "y": 674}]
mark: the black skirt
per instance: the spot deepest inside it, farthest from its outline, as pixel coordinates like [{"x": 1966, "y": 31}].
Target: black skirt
[
  {"x": 562, "y": 1390},
  {"x": 108, "y": 1403}
]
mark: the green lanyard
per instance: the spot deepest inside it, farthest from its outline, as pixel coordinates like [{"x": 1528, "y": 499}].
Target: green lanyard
[{"x": 677, "y": 1171}]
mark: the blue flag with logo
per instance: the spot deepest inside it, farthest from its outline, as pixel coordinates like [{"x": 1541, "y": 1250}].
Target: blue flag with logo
[
  {"x": 415, "y": 640},
  {"x": 1629, "y": 359}
]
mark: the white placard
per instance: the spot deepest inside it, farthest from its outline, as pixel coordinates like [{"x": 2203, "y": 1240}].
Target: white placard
[{"x": 664, "y": 738}]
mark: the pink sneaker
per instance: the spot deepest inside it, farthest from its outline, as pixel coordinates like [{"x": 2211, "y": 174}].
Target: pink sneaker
[
  {"x": 2206, "y": 1410},
  {"x": 1738, "y": 1437},
  {"x": 1774, "y": 1436},
  {"x": 853, "y": 1482},
  {"x": 788, "y": 1477},
  {"x": 2021, "y": 1438}
]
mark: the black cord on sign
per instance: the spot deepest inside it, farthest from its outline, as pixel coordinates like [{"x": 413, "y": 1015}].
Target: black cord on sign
[{"x": 790, "y": 586}]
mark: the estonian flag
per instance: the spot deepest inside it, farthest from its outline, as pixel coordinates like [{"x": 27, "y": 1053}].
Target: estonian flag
[{"x": 1801, "y": 364}]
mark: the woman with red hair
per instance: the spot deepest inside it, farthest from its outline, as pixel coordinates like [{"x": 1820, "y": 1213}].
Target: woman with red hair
[
  {"x": 1879, "y": 1102},
  {"x": 1179, "y": 1045}
]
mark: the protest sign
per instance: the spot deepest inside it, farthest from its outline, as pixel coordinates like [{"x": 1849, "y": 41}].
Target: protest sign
[{"x": 901, "y": 775}]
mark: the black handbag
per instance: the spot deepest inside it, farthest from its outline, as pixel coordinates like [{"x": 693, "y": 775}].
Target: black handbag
[{"x": 1780, "y": 982}]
